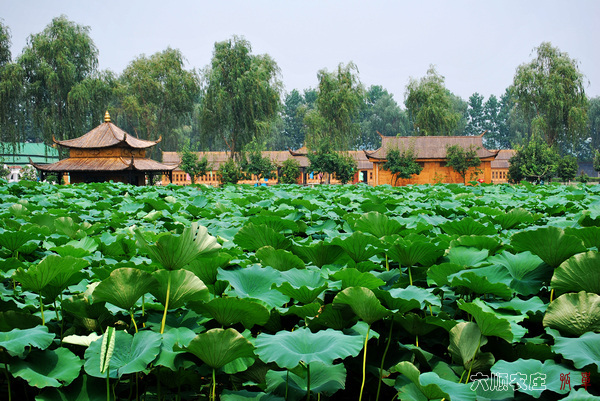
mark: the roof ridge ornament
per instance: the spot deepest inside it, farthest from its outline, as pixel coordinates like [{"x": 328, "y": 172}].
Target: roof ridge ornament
[{"x": 106, "y": 117}]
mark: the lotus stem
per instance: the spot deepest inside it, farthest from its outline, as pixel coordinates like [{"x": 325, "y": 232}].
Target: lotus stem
[
  {"x": 133, "y": 321},
  {"x": 473, "y": 360},
  {"x": 56, "y": 311},
  {"x": 409, "y": 275},
  {"x": 143, "y": 309},
  {"x": 417, "y": 340},
  {"x": 364, "y": 367},
  {"x": 430, "y": 311},
  {"x": 164, "y": 319},
  {"x": 387, "y": 263},
  {"x": 42, "y": 310},
  {"x": 7, "y": 381},
  {"x": 107, "y": 385},
  {"x": 551, "y": 295},
  {"x": 387, "y": 347},
  {"x": 287, "y": 379},
  {"x": 214, "y": 385},
  {"x": 308, "y": 382}
]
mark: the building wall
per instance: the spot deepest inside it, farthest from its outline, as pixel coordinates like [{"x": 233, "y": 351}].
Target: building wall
[{"x": 433, "y": 172}]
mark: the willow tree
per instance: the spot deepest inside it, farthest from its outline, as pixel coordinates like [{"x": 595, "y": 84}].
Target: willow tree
[
  {"x": 242, "y": 95},
  {"x": 340, "y": 98},
  {"x": 549, "y": 91},
  {"x": 65, "y": 95},
  {"x": 11, "y": 92},
  {"x": 430, "y": 105},
  {"x": 157, "y": 96}
]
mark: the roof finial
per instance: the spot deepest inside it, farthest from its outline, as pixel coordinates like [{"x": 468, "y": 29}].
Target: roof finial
[{"x": 106, "y": 117}]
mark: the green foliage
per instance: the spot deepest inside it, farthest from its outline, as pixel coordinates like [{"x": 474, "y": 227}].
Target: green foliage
[
  {"x": 566, "y": 168},
  {"x": 402, "y": 163},
  {"x": 11, "y": 93},
  {"x": 61, "y": 80},
  {"x": 289, "y": 172},
  {"x": 230, "y": 172},
  {"x": 381, "y": 116},
  {"x": 242, "y": 94},
  {"x": 29, "y": 172},
  {"x": 534, "y": 162},
  {"x": 326, "y": 160},
  {"x": 294, "y": 110},
  {"x": 157, "y": 94},
  {"x": 256, "y": 165},
  {"x": 339, "y": 101},
  {"x": 191, "y": 165},
  {"x": 461, "y": 159},
  {"x": 550, "y": 89},
  {"x": 597, "y": 161},
  {"x": 429, "y": 105}
]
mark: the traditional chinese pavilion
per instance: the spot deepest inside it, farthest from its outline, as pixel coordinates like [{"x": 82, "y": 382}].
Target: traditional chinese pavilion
[{"x": 107, "y": 153}]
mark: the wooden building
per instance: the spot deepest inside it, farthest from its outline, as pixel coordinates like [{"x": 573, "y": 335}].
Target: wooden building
[
  {"x": 500, "y": 166},
  {"x": 430, "y": 152},
  {"x": 307, "y": 177},
  {"x": 107, "y": 153}
]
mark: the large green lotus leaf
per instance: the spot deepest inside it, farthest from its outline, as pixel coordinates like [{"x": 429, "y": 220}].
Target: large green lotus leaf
[
  {"x": 324, "y": 379},
  {"x": 252, "y": 237},
  {"x": 466, "y": 341},
  {"x": 353, "y": 278},
  {"x": 580, "y": 395},
  {"x": 403, "y": 299},
  {"x": 320, "y": 254},
  {"x": 480, "y": 284},
  {"x": 523, "y": 306},
  {"x": 10, "y": 264},
  {"x": 276, "y": 223},
  {"x": 489, "y": 323},
  {"x": 303, "y": 294},
  {"x": 359, "y": 246},
  {"x": 206, "y": 268},
  {"x": 513, "y": 219},
  {"x": 77, "y": 248},
  {"x": 229, "y": 311},
  {"x": 467, "y": 256},
  {"x": 583, "y": 351},
  {"x": 287, "y": 349},
  {"x": 467, "y": 226},
  {"x": 363, "y": 303},
  {"x": 50, "y": 268},
  {"x": 279, "y": 259},
  {"x": 131, "y": 354},
  {"x": 245, "y": 395},
  {"x": 412, "y": 385},
  {"x": 124, "y": 287},
  {"x": 218, "y": 347},
  {"x": 168, "y": 356},
  {"x": 304, "y": 311},
  {"x": 410, "y": 253},
  {"x": 174, "y": 251},
  {"x": 589, "y": 235},
  {"x": 574, "y": 314},
  {"x": 310, "y": 278},
  {"x": 532, "y": 377},
  {"x": 377, "y": 224},
  {"x": 551, "y": 244},
  {"x": 16, "y": 319},
  {"x": 66, "y": 226},
  {"x": 16, "y": 340},
  {"x": 255, "y": 282},
  {"x": 439, "y": 274},
  {"x": 85, "y": 388},
  {"x": 580, "y": 272},
  {"x": 48, "y": 368},
  {"x": 185, "y": 287},
  {"x": 528, "y": 271},
  {"x": 13, "y": 240}
]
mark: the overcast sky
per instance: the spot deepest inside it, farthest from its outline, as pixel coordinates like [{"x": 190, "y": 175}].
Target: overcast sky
[{"x": 475, "y": 45}]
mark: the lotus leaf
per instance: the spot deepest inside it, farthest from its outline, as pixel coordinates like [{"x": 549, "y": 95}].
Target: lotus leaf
[
  {"x": 131, "y": 354},
  {"x": 468, "y": 257},
  {"x": 218, "y": 347},
  {"x": 287, "y": 349},
  {"x": 468, "y": 226},
  {"x": 408, "y": 253},
  {"x": 320, "y": 254},
  {"x": 229, "y": 311},
  {"x": 279, "y": 259},
  {"x": 583, "y": 351},
  {"x": 580, "y": 272},
  {"x": 171, "y": 338},
  {"x": 185, "y": 287},
  {"x": 466, "y": 341},
  {"x": 489, "y": 323},
  {"x": 245, "y": 395},
  {"x": 206, "y": 268},
  {"x": 48, "y": 368},
  {"x": 324, "y": 379},
  {"x": 551, "y": 244},
  {"x": 124, "y": 287},
  {"x": 359, "y": 246},
  {"x": 574, "y": 314},
  {"x": 354, "y": 278},
  {"x": 252, "y": 237},
  {"x": 363, "y": 303},
  {"x": 16, "y": 340},
  {"x": 255, "y": 282},
  {"x": 377, "y": 224}
]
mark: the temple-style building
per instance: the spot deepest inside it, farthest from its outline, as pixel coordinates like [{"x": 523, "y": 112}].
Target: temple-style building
[{"x": 107, "y": 153}]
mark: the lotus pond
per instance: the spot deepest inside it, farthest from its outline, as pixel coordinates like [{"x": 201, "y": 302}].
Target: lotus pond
[{"x": 445, "y": 292}]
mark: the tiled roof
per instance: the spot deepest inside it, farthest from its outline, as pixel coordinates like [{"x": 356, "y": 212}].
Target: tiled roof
[
  {"x": 106, "y": 135},
  {"x": 104, "y": 164}
]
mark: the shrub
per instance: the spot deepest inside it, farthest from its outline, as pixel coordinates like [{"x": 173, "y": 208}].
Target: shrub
[
  {"x": 230, "y": 172},
  {"x": 290, "y": 171}
]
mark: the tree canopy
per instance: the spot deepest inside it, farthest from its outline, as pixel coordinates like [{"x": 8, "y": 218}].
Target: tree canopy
[
  {"x": 241, "y": 94},
  {"x": 535, "y": 161},
  {"x": 402, "y": 163},
  {"x": 550, "y": 92},
  {"x": 430, "y": 105},
  {"x": 461, "y": 159},
  {"x": 338, "y": 103}
]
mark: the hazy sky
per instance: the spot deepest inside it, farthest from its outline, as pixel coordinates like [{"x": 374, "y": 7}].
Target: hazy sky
[{"x": 476, "y": 45}]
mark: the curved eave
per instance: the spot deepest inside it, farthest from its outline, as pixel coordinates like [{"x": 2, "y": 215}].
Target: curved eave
[{"x": 104, "y": 136}]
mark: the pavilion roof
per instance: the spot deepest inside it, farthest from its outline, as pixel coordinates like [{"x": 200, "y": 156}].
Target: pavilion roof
[{"x": 104, "y": 164}]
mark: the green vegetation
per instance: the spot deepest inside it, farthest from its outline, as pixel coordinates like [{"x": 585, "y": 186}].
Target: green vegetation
[
  {"x": 534, "y": 162},
  {"x": 289, "y": 172},
  {"x": 334, "y": 292},
  {"x": 192, "y": 165},
  {"x": 402, "y": 164},
  {"x": 461, "y": 160}
]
